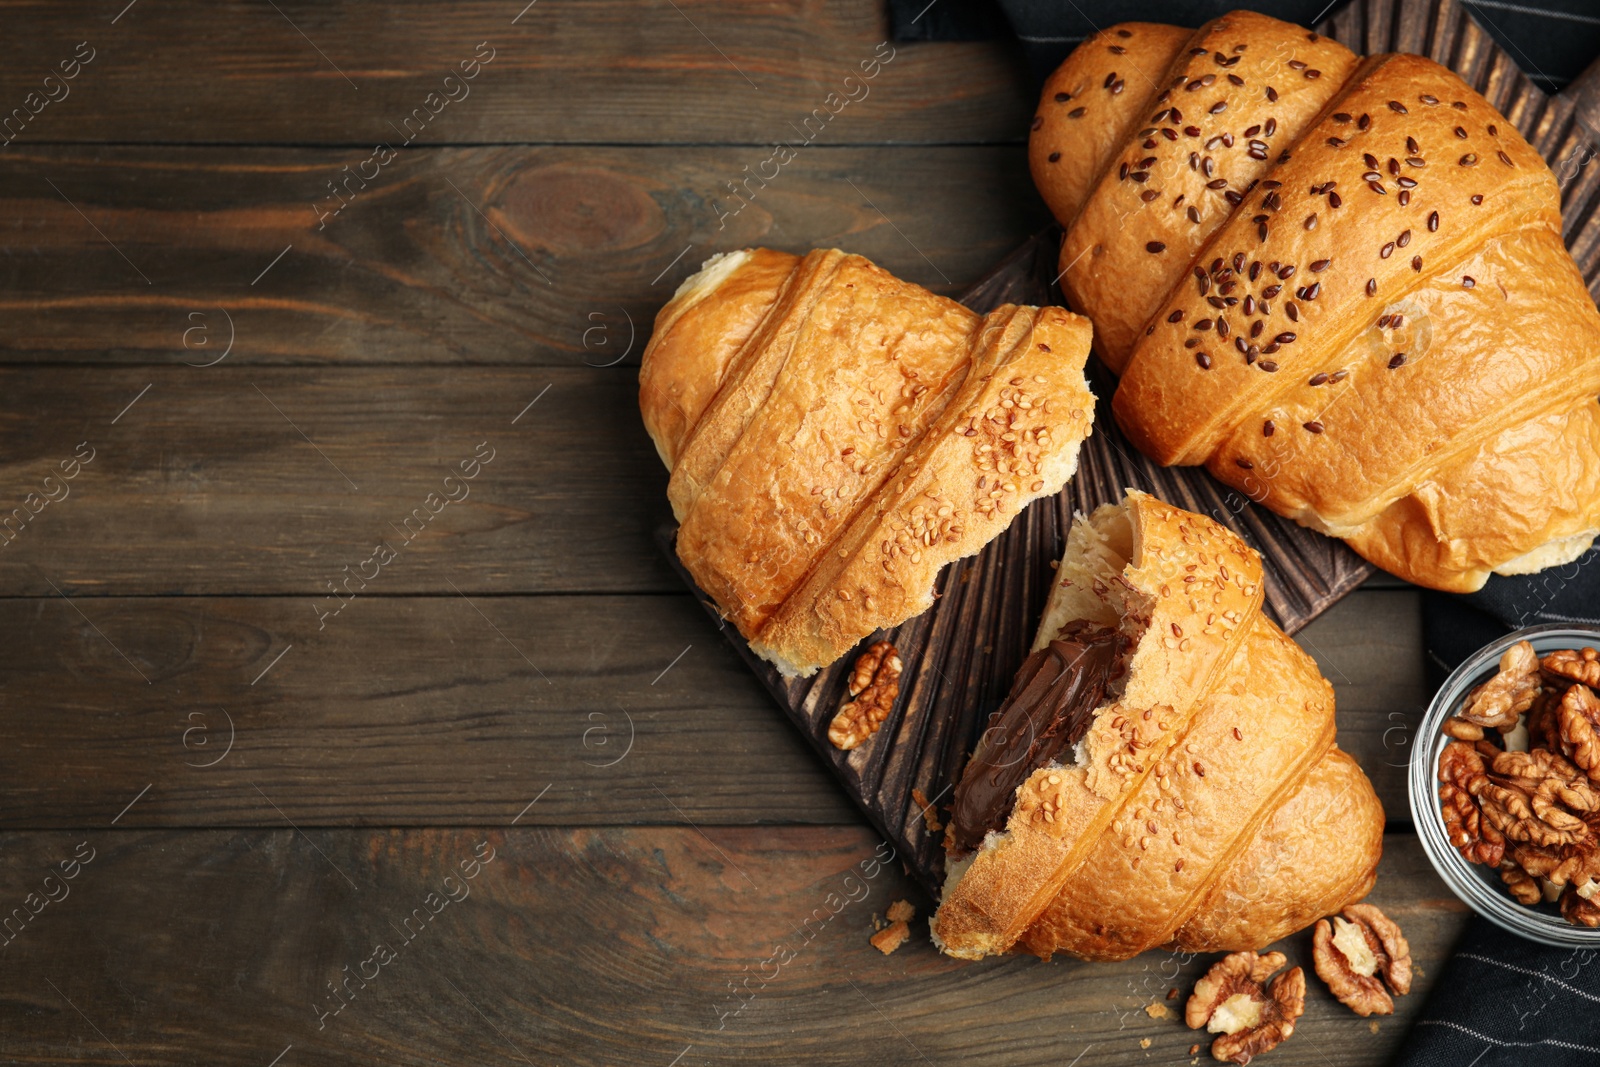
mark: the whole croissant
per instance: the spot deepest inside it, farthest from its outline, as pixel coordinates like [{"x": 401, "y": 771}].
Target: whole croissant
[
  {"x": 1202, "y": 803},
  {"x": 836, "y": 436},
  {"x": 1338, "y": 283}
]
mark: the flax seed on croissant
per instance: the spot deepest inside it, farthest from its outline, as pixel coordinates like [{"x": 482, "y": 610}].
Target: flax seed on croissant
[
  {"x": 1189, "y": 794},
  {"x": 1345, "y": 294},
  {"x": 836, "y": 436}
]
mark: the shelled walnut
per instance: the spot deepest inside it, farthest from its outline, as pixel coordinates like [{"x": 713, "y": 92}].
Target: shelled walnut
[
  {"x": 1509, "y": 693},
  {"x": 1579, "y": 909},
  {"x": 874, "y": 685},
  {"x": 1519, "y": 784},
  {"x": 1524, "y": 887},
  {"x": 1544, "y": 729},
  {"x": 1578, "y": 726},
  {"x": 1356, "y": 950},
  {"x": 1250, "y": 1016},
  {"x": 1577, "y": 665},
  {"x": 1462, "y": 730},
  {"x": 1460, "y": 764}
]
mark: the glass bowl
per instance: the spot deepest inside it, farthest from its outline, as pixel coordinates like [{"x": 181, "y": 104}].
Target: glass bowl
[{"x": 1479, "y": 886}]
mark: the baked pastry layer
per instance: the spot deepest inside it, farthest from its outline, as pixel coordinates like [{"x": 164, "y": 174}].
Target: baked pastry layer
[
  {"x": 1210, "y": 776},
  {"x": 836, "y": 436},
  {"x": 1345, "y": 294},
  {"x": 1125, "y": 246}
]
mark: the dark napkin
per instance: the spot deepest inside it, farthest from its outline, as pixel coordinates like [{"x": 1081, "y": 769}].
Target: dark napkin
[
  {"x": 1505, "y": 1002},
  {"x": 1551, "y": 40},
  {"x": 1569, "y": 593}
]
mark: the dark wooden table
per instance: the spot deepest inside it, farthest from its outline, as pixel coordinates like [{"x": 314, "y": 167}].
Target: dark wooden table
[{"x": 505, "y": 795}]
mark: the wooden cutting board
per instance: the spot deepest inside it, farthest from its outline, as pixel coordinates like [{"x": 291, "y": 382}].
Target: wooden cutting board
[{"x": 961, "y": 654}]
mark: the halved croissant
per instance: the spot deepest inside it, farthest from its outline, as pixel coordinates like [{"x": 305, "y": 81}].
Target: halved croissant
[
  {"x": 836, "y": 436},
  {"x": 1205, "y": 805},
  {"x": 1347, "y": 295}
]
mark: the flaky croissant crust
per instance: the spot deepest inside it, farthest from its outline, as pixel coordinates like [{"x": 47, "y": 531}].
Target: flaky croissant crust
[
  {"x": 836, "y": 436},
  {"x": 1208, "y": 808},
  {"x": 1338, "y": 283}
]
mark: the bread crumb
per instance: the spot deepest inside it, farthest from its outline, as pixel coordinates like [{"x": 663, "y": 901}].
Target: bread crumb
[
  {"x": 1373, "y": 1026},
  {"x": 1144, "y": 1042},
  {"x": 1156, "y": 1011},
  {"x": 891, "y": 937},
  {"x": 900, "y": 911},
  {"x": 930, "y": 818}
]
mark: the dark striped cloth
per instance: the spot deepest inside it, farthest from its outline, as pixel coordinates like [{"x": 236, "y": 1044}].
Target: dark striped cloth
[
  {"x": 1505, "y": 1002},
  {"x": 1551, "y": 40}
]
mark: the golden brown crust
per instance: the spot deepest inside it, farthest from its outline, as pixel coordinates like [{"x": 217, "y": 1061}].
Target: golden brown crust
[
  {"x": 1090, "y": 102},
  {"x": 1162, "y": 195},
  {"x": 696, "y": 339},
  {"x": 746, "y": 383},
  {"x": 1351, "y": 240},
  {"x": 862, "y": 433},
  {"x": 1436, "y": 449},
  {"x": 1191, "y": 630},
  {"x": 854, "y": 366},
  {"x": 1385, "y": 339},
  {"x": 1207, "y": 808},
  {"x": 1532, "y": 489},
  {"x": 1023, "y": 400},
  {"x": 1318, "y": 853},
  {"x": 1248, "y": 747},
  {"x": 1459, "y": 382}
]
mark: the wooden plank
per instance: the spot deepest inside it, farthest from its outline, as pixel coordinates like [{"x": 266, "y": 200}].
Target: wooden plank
[
  {"x": 551, "y": 256},
  {"x": 1369, "y": 646},
  {"x": 561, "y": 70},
  {"x": 593, "y": 946},
  {"x": 423, "y": 711},
  {"x": 399, "y": 711},
  {"x": 271, "y": 480}
]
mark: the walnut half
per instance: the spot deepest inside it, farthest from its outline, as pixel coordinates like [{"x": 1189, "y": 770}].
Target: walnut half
[
  {"x": 1578, "y": 909},
  {"x": 874, "y": 685},
  {"x": 1461, "y": 766},
  {"x": 1574, "y": 665},
  {"x": 1249, "y": 1016},
  {"x": 1577, "y": 719},
  {"x": 1356, "y": 949},
  {"x": 1509, "y": 693}
]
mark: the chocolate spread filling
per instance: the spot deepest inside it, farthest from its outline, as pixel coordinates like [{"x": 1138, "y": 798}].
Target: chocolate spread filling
[{"x": 1047, "y": 712}]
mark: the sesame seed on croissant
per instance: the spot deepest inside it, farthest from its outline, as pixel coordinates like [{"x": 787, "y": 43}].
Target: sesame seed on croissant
[
  {"x": 1205, "y": 805},
  {"x": 836, "y": 436}
]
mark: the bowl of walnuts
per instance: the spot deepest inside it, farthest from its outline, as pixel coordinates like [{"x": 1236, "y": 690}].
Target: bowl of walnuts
[{"x": 1505, "y": 783}]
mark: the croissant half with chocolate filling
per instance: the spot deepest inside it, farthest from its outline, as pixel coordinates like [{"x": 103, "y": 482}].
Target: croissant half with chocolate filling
[
  {"x": 836, "y": 436},
  {"x": 1338, "y": 283},
  {"x": 1164, "y": 772}
]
